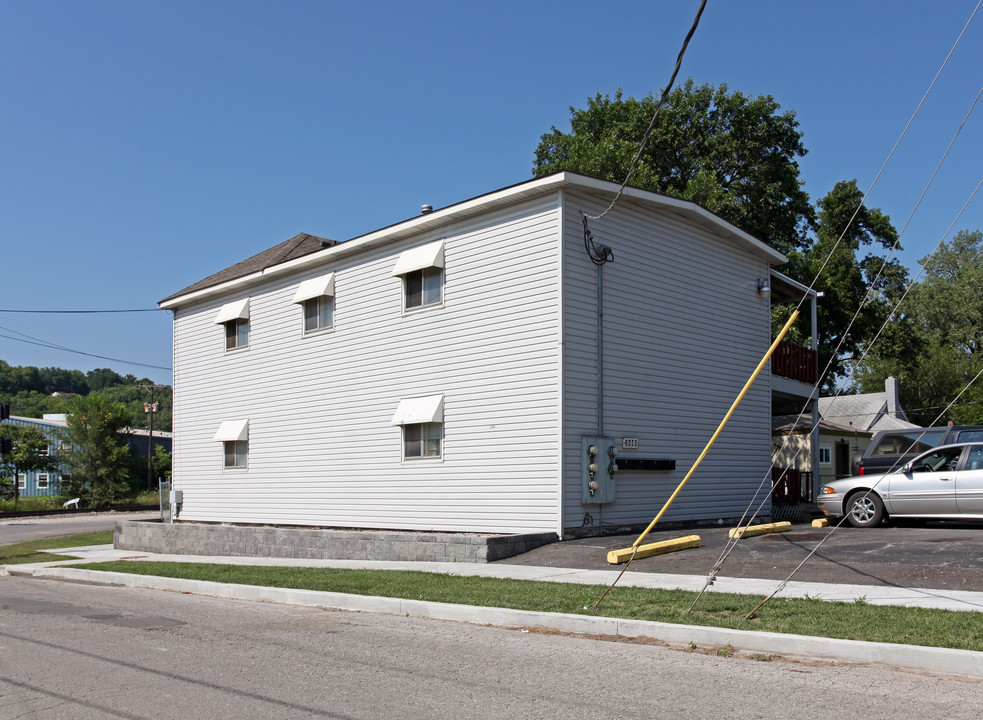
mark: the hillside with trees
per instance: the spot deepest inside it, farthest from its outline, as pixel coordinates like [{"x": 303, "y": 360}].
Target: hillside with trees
[{"x": 33, "y": 391}]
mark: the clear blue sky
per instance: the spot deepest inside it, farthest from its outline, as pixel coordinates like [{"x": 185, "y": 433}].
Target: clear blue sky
[{"x": 146, "y": 145}]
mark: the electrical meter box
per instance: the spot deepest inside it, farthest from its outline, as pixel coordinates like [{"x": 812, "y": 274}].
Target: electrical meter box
[{"x": 599, "y": 467}]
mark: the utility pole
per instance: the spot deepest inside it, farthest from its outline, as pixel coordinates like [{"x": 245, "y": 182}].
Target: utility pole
[{"x": 150, "y": 408}]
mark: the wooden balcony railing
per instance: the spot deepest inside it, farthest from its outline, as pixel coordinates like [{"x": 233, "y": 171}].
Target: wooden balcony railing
[
  {"x": 794, "y": 362},
  {"x": 790, "y": 486}
]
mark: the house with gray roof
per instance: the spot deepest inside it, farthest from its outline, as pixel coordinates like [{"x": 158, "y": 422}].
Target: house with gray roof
[{"x": 868, "y": 412}]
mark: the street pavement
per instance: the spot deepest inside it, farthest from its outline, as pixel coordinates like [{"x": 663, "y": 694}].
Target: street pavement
[
  {"x": 93, "y": 652},
  {"x": 872, "y": 554},
  {"x": 23, "y": 529}
]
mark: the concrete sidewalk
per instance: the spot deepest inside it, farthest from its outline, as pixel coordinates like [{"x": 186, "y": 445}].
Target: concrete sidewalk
[{"x": 940, "y": 660}]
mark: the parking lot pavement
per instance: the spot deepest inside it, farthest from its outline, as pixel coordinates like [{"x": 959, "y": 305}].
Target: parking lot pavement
[{"x": 939, "y": 555}]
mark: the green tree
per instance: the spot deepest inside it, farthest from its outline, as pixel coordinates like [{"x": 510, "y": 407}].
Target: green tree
[
  {"x": 859, "y": 283},
  {"x": 934, "y": 347},
  {"x": 161, "y": 462},
  {"x": 98, "y": 457},
  {"x": 733, "y": 154},
  {"x": 738, "y": 157},
  {"x": 29, "y": 453}
]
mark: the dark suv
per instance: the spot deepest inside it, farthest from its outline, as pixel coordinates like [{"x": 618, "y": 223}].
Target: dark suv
[{"x": 890, "y": 449}]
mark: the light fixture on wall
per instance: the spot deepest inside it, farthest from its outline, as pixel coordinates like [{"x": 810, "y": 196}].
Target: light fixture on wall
[{"x": 764, "y": 289}]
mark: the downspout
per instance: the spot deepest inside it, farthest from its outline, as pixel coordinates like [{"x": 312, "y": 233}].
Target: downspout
[
  {"x": 600, "y": 350},
  {"x": 561, "y": 365}
]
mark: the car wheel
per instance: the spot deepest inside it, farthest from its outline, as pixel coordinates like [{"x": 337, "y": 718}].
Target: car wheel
[{"x": 864, "y": 509}]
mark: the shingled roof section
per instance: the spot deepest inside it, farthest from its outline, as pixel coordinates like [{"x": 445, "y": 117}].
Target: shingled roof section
[{"x": 296, "y": 247}]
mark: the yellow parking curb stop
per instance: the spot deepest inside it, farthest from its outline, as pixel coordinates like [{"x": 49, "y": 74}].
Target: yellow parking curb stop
[
  {"x": 751, "y": 530},
  {"x": 616, "y": 557}
]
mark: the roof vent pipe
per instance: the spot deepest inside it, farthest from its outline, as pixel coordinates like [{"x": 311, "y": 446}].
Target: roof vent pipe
[{"x": 424, "y": 209}]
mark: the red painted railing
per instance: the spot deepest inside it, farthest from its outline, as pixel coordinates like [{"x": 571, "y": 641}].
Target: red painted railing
[
  {"x": 789, "y": 486},
  {"x": 794, "y": 362}
]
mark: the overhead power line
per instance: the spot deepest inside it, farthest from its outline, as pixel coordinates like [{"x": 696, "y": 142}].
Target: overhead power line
[
  {"x": 52, "y": 346},
  {"x": 655, "y": 115},
  {"x": 85, "y": 312}
]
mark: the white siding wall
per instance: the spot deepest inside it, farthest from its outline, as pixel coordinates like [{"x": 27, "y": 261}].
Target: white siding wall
[
  {"x": 321, "y": 447},
  {"x": 683, "y": 329}
]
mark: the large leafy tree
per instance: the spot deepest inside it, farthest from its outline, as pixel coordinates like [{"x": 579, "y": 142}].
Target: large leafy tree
[
  {"x": 34, "y": 391},
  {"x": 98, "y": 457},
  {"x": 934, "y": 346},
  {"x": 737, "y": 156},
  {"x": 733, "y": 154},
  {"x": 28, "y": 453},
  {"x": 859, "y": 282}
]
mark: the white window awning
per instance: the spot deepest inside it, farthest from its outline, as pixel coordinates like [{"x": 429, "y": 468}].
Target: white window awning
[
  {"x": 418, "y": 258},
  {"x": 315, "y": 287},
  {"x": 238, "y": 310},
  {"x": 419, "y": 410},
  {"x": 232, "y": 430}
]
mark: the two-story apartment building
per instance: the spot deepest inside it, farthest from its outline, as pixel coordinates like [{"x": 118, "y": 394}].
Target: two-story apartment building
[{"x": 471, "y": 368}]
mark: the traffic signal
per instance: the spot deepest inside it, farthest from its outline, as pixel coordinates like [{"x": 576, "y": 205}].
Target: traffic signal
[{"x": 4, "y": 411}]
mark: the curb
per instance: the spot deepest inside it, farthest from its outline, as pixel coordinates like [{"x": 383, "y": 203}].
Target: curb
[{"x": 910, "y": 657}]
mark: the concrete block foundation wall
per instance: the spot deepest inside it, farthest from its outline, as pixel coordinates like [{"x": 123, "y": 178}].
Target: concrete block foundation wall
[{"x": 270, "y": 541}]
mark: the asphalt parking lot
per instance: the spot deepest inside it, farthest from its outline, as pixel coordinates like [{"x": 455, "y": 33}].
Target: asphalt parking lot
[{"x": 934, "y": 554}]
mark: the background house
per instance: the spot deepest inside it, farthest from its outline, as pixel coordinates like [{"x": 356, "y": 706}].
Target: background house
[
  {"x": 868, "y": 412},
  {"x": 815, "y": 449},
  {"x": 53, "y": 425},
  {"x": 42, "y": 484},
  {"x": 463, "y": 370},
  {"x": 795, "y": 438}
]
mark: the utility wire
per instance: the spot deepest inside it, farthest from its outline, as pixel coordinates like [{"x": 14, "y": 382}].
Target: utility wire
[
  {"x": 84, "y": 312},
  {"x": 945, "y": 410},
  {"x": 44, "y": 343},
  {"x": 781, "y": 586},
  {"x": 731, "y": 544},
  {"x": 655, "y": 115}
]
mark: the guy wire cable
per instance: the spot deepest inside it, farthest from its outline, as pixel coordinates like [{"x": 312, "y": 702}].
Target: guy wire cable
[
  {"x": 940, "y": 415},
  {"x": 781, "y": 586},
  {"x": 732, "y": 542}
]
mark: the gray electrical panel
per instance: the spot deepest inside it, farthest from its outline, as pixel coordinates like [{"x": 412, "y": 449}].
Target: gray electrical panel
[{"x": 599, "y": 467}]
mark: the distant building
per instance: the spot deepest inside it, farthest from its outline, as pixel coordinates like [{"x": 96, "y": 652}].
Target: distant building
[
  {"x": 53, "y": 425},
  {"x": 42, "y": 484}
]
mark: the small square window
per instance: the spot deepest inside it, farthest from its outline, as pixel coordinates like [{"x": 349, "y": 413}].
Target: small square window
[
  {"x": 45, "y": 451},
  {"x": 318, "y": 313},
  {"x": 825, "y": 454},
  {"x": 237, "y": 333},
  {"x": 424, "y": 287},
  {"x": 422, "y": 440},
  {"x": 22, "y": 481},
  {"x": 42, "y": 482},
  {"x": 236, "y": 453}
]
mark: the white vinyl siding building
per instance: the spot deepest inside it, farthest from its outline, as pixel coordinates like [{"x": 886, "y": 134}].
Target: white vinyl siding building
[{"x": 343, "y": 428}]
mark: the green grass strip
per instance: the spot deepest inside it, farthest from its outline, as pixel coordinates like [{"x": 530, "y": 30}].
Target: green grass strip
[
  {"x": 30, "y": 551},
  {"x": 814, "y": 617}
]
